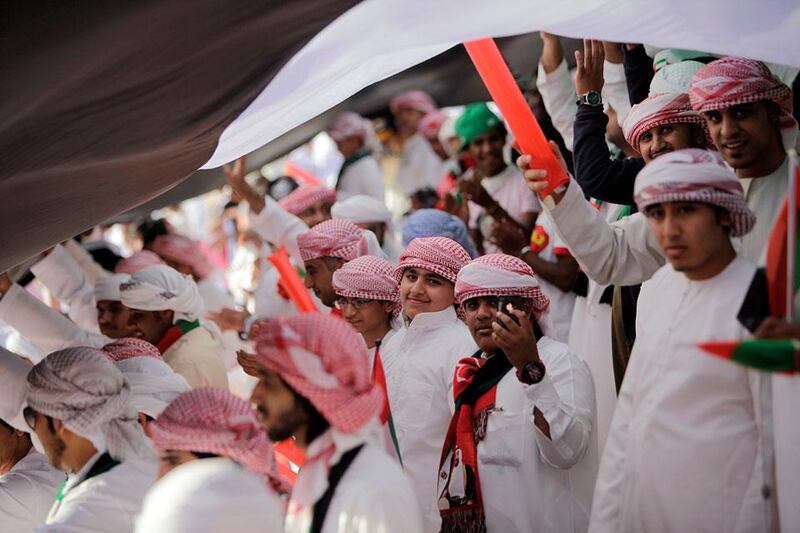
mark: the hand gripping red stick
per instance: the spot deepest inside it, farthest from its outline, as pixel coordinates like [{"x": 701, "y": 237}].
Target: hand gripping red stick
[
  {"x": 506, "y": 94},
  {"x": 292, "y": 283}
]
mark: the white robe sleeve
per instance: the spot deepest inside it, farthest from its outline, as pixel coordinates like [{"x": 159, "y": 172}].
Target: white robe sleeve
[
  {"x": 615, "y": 89},
  {"x": 46, "y": 328},
  {"x": 608, "y": 492},
  {"x": 62, "y": 275},
  {"x": 85, "y": 260},
  {"x": 19, "y": 497},
  {"x": 277, "y": 226},
  {"x": 558, "y": 97},
  {"x": 622, "y": 253},
  {"x": 566, "y": 399}
]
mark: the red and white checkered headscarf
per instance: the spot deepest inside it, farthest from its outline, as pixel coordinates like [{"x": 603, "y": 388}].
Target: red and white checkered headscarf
[
  {"x": 212, "y": 420},
  {"x": 430, "y": 124},
  {"x": 128, "y": 347},
  {"x": 503, "y": 275},
  {"x": 694, "y": 175},
  {"x": 304, "y": 197},
  {"x": 183, "y": 250},
  {"x": 733, "y": 81},
  {"x": 500, "y": 275},
  {"x": 368, "y": 277},
  {"x": 439, "y": 255},
  {"x": 418, "y": 100},
  {"x": 348, "y": 124},
  {"x": 657, "y": 110},
  {"x": 324, "y": 360},
  {"x": 138, "y": 261},
  {"x": 337, "y": 238}
]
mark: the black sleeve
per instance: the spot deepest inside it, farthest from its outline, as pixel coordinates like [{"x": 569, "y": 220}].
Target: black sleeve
[
  {"x": 598, "y": 175},
  {"x": 638, "y": 73}
]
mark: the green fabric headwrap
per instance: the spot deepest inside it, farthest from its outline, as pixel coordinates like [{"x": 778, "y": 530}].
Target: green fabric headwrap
[{"x": 476, "y": 120}]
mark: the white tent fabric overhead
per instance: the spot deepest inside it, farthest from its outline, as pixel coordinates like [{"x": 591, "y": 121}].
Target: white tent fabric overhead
[{"x": 379, "y": 38}]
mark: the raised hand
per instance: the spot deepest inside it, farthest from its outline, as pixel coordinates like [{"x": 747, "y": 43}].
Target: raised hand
[{"x": 589, "y": 73}]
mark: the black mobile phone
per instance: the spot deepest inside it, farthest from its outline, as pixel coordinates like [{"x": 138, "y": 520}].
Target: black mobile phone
[{"x": 502, "y": 307}]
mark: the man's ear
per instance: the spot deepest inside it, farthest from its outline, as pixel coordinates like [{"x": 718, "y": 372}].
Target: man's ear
[
  {"x": 387, "y": 306},
  {"x": 773, "y": 113},
  {"x": 699, "y": 135},
  {"x": 725, "y": 220}
]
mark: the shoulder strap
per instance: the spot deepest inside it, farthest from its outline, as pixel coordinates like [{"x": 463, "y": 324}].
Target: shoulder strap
[{"x": 334, "y": 477}]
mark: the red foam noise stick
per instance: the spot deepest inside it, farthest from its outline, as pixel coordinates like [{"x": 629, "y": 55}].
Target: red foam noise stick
[
  {"x": 506, "y": 94},
  {"x": 292, "y": 283},
  {"x": 293, "y": 170}
]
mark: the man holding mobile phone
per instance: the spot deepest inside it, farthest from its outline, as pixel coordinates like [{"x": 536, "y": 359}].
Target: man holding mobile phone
[{"x": 515, "y": 454}]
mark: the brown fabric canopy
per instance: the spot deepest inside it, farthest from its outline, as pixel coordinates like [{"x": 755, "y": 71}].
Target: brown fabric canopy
[{"x": 107, "y": 104}]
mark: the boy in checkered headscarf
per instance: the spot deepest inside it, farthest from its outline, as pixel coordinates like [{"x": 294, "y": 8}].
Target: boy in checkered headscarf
[
  {"x": 523, "y": 412},
  {"x": 315, "y": 385}
]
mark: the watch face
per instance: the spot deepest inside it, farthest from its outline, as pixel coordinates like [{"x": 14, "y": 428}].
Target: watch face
[{"x": 593, "y": 98}]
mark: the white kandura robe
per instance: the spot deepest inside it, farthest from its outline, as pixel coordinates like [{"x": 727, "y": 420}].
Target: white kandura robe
[
  {"x": 106, "y": 503},
  {"x": 419, "y": 361},
  {"x": 361, "y": 177},
  {"x": 591, "y": 339},
  {"x": 278, "y": 227},
  {"x": 530, "y": 482},
  {"x": 26, "y": 493},
  {"x": 626, "y": 253},
  {"x": 64, "y": 278},
  {"x": 685, "y": 451},
  {"x": 373, "y": 495},
  {"x": 419, "y": 166},
  {"x": 43, "y": 326},
  {"x": 199, "y": 358}
]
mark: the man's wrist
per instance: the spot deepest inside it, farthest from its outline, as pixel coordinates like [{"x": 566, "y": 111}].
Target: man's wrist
[
  {"x": 532, "y": 372},
  {"x": 591, "y": 98}
]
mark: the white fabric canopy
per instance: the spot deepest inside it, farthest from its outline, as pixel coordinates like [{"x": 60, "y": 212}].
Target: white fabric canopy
[{"x": 379, "y": 38}]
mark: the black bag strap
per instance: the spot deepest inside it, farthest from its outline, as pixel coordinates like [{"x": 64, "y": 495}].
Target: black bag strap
[{"x": 334, "y": 477}]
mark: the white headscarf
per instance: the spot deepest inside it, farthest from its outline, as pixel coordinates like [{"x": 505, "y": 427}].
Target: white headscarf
[
  {"x": 161, "y": 288},
  {"x": 208, "y": 496},
  {"x": 83, "y": 389},
  {"x": 362, "y": 209},
  {"x": 153, "y": 383},
  {"x": 107, "y": 288}
]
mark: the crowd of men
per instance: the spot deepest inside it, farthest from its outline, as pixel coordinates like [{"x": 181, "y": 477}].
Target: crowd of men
[{"x": 506, "y": 364}]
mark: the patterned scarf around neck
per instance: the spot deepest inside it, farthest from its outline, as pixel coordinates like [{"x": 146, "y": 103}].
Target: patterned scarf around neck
[{"x": 475, "y": 391}]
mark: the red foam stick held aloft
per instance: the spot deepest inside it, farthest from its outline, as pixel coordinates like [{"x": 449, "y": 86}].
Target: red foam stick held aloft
[
  {"x": 506, "y": 94},
  {"x": 293, "y": 170},
  {"x": 292, "y": 283}
]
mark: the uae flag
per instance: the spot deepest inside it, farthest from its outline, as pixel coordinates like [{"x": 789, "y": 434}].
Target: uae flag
[
  {"x": 782, "y": 259},
  {"x": 763, "y": 354}
]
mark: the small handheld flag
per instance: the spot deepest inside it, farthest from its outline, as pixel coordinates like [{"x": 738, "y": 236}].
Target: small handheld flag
[{"x": 763, "y": 354}]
